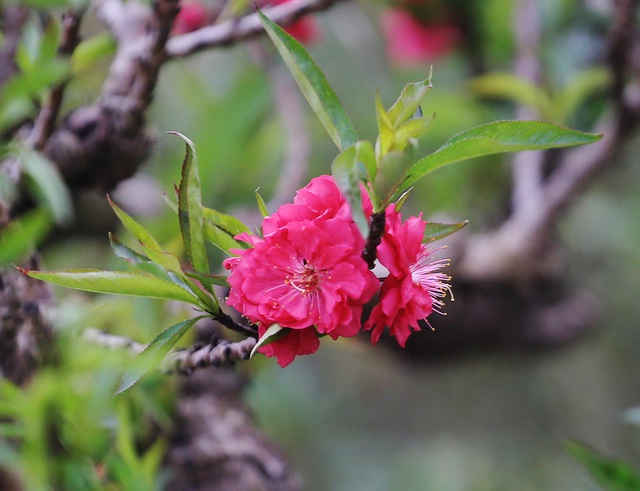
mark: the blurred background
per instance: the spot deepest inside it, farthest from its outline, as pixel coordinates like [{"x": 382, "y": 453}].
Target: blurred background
[{"x": 355, "y": 417}]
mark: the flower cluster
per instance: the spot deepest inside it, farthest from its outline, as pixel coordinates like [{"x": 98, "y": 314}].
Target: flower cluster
[{"x": 306, "y": 274}]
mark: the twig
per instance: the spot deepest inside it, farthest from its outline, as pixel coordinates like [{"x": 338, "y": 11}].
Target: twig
[
  {"x": 101, "y": 338},
  {"x": 376, "y": 230},
  {"x": 224, "y": 353},
  {"x": 14, "y": 17},
  {"x": 141, "y": 34},
  {"x": 234, "y": 30},
  {"x": 227, "y": 321},
  {"x": 45, "y": 122},
  {"x": 218, "y": 352},
  {"x": 518, "y": 249},
  {"x": 527, "y": 166}
]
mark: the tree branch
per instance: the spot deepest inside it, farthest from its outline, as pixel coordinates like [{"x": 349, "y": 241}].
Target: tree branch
[
  {"x": 519, "y": 249},
  {"x": 218, "y": 352},
  {"x": 44, "y": 124},
  {"x": 527, "y": 166},
  {"x": 234, "y": 30}
]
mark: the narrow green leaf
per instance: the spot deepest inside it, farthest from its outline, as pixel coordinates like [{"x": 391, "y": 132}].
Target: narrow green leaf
[
  {"x": 510, "y": 87},
  {"x": 402, "y": 199},
  {"x": 154, "y": 353},
  {"x": 273, "y": 333},
  {"x": 46, "y": 184},
  {"x": 367, "y": 157},
  {"x": 407, "y": 131},
  {"x": 20, "y": 237},
  {"x": 261, "y": 204},
  {"x": 313, "y": 84},
  {"x": 93, "y": 50},
  {"x": 221, "y": 238},
  {"x": 344, "y": 169},
  {"x": 436, "y": 231},
  {"x": 124, "y": 252},
  {"x": 149, "y": 244},
  {"x": 409, "y": 101},
  {"x": 392, "y": 170},
  {"x": 209, "y": 279},
  {"x": 137, "y": 230},
  {"x": 190, "y": 208},
  {"x": 116, "y": 282},
  {"x": 385, "y": 128},
  {"x": 577, "y": 91},
  {"x": 228, "y": 223},
  {"x": 499, "y": 137},
  {"x": 612, "y": 474},
  {"x": 140, "y": 261}
]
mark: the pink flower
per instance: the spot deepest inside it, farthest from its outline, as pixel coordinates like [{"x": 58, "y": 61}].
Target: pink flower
[
  {"x": 191, "y": 17},
  {"x": 303, "y": 274},
  {"x": 293, "y": 342},
  {"x": 304, "y": 30},
  {"x": 306, "y": 274},
  {"x": 415, "y": 286},
  {"x": 410, "y": 43},
  {"x": 319, "y": 200}
]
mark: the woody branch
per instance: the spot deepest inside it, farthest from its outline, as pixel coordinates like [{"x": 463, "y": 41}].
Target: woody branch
[{"x": 517, "y": 249}]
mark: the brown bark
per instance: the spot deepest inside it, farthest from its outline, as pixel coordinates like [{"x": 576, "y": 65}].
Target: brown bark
[{"x": 218, "y": 445}]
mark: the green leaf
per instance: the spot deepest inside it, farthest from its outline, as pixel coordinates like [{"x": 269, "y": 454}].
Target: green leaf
[
  {"x": 141, "y": 261},
  {"x": 613, "y": 475},
  {"x": 149, "y": 244},
  {"x": 436, "y": 231},
  {"x": 228, "y": 223},
  {"x": 262, "y": 205},
  {"x": 124, "y": 252},
  {"x": 367, "y": 157},
  {"x": 190, "y": 208},
  {"x": 137, "y": 230},
  {"x": 20, "y": 236},
  {"x": 344, "y": 169},
  {"x": 583, "y": 86},
  {"x": 273, "y": 333},
  {"x": 154, "y": 353},
  {"x": 46, "y": 184},
  {"x": 407, "y": 131},
  {"x": 313, "y": 84},
  {"x": 515, "y": 89},
  {"x": 392, "y": 170},
  {"x": 209, "y": 279},
  {"x": 402, "y": 199},
  {"x": 409, "y": 101},
  {"x": 498, "y": 137},
  {"x": 385, "y": 128},
  {"x": 116, "y": 282},
  {"x": 90, "y": 52},
  {"x": 221, "y": 238}
]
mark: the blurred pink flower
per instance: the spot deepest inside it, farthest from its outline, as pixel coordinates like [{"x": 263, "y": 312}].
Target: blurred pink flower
[
  {"x": 415, "y": 285},
  {"x": 304, "y": 29},
  {"x": 410, "y": 43},
  {"x": 191, "y": 17}
]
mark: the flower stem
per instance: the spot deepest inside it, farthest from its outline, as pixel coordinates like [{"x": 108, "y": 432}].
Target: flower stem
[
  {"x": 376, "y": 229},
  {"x": 228, "y": 322}
]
